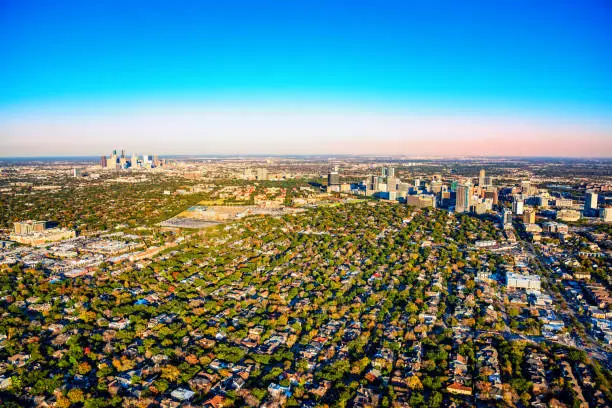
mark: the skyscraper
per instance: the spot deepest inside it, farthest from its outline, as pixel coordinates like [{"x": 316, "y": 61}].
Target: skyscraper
[
  {"x": 103, "y": 162},
  {"x": 526, "y": 187},
  {"x": 464, "y": 195},
  {"x": 506, "y": 216},
  {"x": 333, "y": 178},
  {"x": 529, "y": 217},
  {"x": 517, "y": 206},
  {"x": 372, "y": 184},
  {"x": 112, "y": 163},
  {"x": 481, "y": 178},
  {"x": 590, "y": 201}
]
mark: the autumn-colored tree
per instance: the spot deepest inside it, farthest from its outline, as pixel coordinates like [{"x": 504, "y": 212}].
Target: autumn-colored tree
[
  {"x": 75, "y": 395},
  {"x": 84, "y": 368},
  {"x": 170, "y": 373},
  {"x": 415, "y": 383}
]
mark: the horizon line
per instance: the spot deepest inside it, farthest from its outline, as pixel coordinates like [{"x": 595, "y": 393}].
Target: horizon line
[{"x": 328, "y": 155}]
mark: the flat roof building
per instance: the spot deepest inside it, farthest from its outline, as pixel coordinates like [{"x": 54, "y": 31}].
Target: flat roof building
[{"x": 519, "y": 281}]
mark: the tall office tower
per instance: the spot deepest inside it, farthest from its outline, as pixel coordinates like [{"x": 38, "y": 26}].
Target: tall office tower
[
  {"x": 333, "y": 178},
  {"x": 542, "y": 201},
  {"x": 373, "y": 183},
  {"x": 590, "y": 201},
  {"x": 262, "y": 173},
  {"x": 506, "y": 216},
  {"x": 464, "y": 196},
  {"x": 122, "y": 153},
  {"x": 526, "y": 187},
  {"x": 488, "y": 181},
  {"x": 155, "y": 160},
  {"x": 112, "y": 163},
  {"x": 391, "y": 172},
  {"x": 491, "y": 192},
  {"x": 529, "y": 217},
  {"x": 392, "y": 183},
  {"x": 481, "y": 178},
  {"x": 103, "y": 163},
  {"x": 134, "y": 161},
  {"x": 517, "y": 206}
]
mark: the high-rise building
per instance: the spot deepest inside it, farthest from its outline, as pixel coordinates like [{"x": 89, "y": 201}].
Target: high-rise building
[
  {"x": 464, "y": 197},
  {"x": 517, "y": 206},
  {"x": 112, "y": 162},
  {"x": 526, "y": 187},
  {"x": 529, "y": 217},
  {"x": 506, "y": 216},
  {"x": 372, "y": 184},
  {"x": 542, "y": 201},
  {"x": 481, "y": 178},
  {"x": 491, "y": 192},
  {"x": 606, "y": 214},
  {"x": 391, "y": 172},
  {"x": 262, "y": 173},
  {"x": 590, "y": 201},
  {"x": 333, "y": 178},
  {"x": 103, "y": 163}
]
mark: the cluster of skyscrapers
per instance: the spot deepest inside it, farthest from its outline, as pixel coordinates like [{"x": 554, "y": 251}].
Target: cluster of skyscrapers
[
  {"x": 463, "y": 195},
  {"x": 122, "y": 162}
]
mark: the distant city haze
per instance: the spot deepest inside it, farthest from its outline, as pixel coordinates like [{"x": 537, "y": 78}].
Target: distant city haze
[
  {"x": 271, "y": 77},
  {"x": 249, "y": 130}
]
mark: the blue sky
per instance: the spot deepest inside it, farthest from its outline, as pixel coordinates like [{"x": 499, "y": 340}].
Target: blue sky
[{"x": 486, "y": 59}]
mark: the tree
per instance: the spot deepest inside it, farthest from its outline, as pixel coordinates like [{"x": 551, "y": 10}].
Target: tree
[
  {"x": 83, "y": 368},
  {"x": 75, "y": 395},
  {"x": 415, "y": 383},
  {"x": 170, "y": 373}
]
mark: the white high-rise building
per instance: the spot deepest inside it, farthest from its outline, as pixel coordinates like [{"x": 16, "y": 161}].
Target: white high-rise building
[{"x": 518, "y": 207}]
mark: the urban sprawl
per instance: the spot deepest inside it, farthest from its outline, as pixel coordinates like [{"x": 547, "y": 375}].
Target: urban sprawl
[{"x": 135, "y": 280}]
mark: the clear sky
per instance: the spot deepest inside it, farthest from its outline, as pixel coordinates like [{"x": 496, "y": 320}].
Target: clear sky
[{"x": 385, "y": 77}]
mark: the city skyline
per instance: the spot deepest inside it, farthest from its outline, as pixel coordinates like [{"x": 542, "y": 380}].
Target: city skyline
[{"x": 404, "y": 79}]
